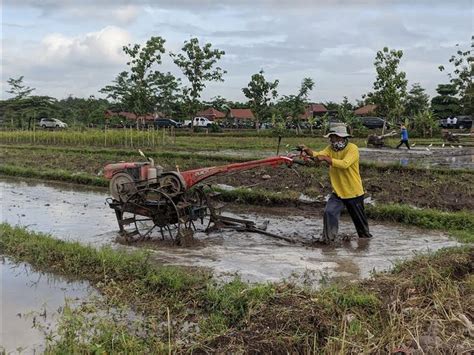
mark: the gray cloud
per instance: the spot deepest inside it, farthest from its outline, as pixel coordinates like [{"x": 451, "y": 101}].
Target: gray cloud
[{"x": 334, "y": 42}]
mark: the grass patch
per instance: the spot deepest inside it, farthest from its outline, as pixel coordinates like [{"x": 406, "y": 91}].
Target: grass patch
[
  {"x": 460, "y": 223},
  {"x": 55, "y": 175}
]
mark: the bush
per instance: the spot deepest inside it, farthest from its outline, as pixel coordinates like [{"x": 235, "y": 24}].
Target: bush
[{"x": 215, "y": 128}]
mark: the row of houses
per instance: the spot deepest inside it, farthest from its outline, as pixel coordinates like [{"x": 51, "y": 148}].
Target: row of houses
[
  {"x": 241, "y": 114},
  {"x": 313, "y": 110}
]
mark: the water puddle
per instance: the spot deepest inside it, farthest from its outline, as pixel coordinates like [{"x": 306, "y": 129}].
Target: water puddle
[
  {"x": 450, "y": 156},
  {"x": 29, "y": 297},
  {"x": 82, "y": 215}
]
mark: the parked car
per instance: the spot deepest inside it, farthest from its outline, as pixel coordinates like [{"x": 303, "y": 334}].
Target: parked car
[
  {"x": 374, "y": 122},
  {"x": 199, "y": 122},
  {"x": 462, "y": 122},
  {"x": 52, "y": 123},
  {"x": 166, "y": 122}
]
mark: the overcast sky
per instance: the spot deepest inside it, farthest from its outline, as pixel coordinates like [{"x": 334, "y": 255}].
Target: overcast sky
[{"x": 66, "y": 47}]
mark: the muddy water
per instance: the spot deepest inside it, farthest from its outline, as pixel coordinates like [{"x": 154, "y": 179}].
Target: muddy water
[
  {"x": 447, "y": 157},
  {"x": 27, "y": 296},
  {"x": 426, "y": 157},
  {"x": 69, "y": 213}
]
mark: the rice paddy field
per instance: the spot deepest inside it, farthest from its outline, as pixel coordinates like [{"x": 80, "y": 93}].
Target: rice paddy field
[{"x": 408, "y": 290}]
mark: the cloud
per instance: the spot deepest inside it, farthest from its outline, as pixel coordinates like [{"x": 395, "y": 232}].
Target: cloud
[
  {"x": 61, "y": 64},
  {"x": 100, "y": 48},
  {"x": 333, "y": 41}
]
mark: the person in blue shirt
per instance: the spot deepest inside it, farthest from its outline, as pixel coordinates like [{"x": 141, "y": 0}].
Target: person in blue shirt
[{"x": 404, "y": 137}]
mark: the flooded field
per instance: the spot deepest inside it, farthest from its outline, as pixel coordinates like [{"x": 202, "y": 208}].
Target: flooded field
[
  {"x": 73, "y": 213},
  {"x": 454, "y": 157},
  {"x": 28, "y": 297}
]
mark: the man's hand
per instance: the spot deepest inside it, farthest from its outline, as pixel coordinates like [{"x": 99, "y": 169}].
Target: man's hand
[
  {"x": 324, "y": 158},
  {"x": 301, "y": 148}
]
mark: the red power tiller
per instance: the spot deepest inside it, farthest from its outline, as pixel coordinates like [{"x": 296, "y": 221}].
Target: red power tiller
[{"x": 150, "y": 202}]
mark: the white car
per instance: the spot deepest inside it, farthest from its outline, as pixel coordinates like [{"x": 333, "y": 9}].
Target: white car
[
  {"x": 199, "y": 122},
  {"x": 52, "y": 123}
]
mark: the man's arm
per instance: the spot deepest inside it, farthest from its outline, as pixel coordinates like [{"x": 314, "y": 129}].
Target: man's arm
[
  {"x": 350, "y": 158},
  {"x": 322, "y": 155}
]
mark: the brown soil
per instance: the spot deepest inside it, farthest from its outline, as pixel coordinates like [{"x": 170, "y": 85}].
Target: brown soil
[
  {"x": 410, "y": 310},
  {"x": 424, "y": 189}
]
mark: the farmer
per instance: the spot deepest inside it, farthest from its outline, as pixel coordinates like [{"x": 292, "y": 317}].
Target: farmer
[
  {"x": 403, "y": 137},
  {"x": 343, "y": 160}
]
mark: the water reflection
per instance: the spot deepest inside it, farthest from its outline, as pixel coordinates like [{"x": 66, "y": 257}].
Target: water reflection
[{"x": 25, "y": 292}]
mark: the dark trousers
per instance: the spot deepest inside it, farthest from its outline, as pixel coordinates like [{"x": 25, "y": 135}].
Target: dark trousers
[
  {"x": 403, "y": 142},
  {"x": 332, "y": 212}
]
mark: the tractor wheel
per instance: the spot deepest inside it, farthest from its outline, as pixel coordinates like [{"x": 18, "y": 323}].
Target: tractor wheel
[
  {"x": 199, "y": 210},
  {"x": 150, "y": 214}
]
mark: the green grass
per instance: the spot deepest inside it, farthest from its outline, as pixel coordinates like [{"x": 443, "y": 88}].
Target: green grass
[
  {"x": 134, "y": 139},
  {"x": 459, "y": 224},
  {"x": 54, "y": 175}
]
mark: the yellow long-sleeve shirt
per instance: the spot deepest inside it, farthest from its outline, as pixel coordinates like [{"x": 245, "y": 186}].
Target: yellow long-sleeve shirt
[{"x": 344, "y": 172}]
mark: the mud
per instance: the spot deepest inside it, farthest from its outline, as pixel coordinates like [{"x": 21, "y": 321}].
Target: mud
[
  {"x": 82, "y": 214},
  {"x": 426, "y": 157},
  {"x": 450, "y": 156},
  {"x": 28, "y": 297}
]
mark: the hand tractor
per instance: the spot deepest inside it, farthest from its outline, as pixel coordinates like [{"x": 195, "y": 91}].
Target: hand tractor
[{"x": 150, "y": 202}]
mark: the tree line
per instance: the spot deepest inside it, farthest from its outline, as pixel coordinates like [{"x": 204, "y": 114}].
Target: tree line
[{"x": 145, "y": 88}]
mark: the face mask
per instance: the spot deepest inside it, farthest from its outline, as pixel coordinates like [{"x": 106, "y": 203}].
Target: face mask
[{"x": 337, "y": 146}]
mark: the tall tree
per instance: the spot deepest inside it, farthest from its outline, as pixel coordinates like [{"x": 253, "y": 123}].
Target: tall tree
[
  {"x": 143, "y": 87},
  {"x": 260, "y": 92},
  {"x": 417, "y": 100},
  {"x": 25, "y": 106},
  {"x": 345, "y": 113},
  {"x": 331, "y": 105},
  {"x": 446, "y": 104},
  {"x": 294, "y": 106},
  {"x": 390, "y": 84},
  {"x": 198, "y": 65},
  {"x": 461, "y": 77},
  {"x": 18, "y": 89}
]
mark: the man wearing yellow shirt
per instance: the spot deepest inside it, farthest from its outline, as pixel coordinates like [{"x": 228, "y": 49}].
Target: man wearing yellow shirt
[{"x": 343, "y": 160}]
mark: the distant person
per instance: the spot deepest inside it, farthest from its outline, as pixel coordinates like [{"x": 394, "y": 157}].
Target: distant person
[
  {"x": 348, "y": 192},
  {"x": 449, "y": 122},
  {"x": 454, "y": 121},
  {"x": 404, "y": 137}
]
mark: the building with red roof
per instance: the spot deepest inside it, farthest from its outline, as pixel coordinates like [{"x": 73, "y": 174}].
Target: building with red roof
[
  {"x": 366, "y": 110},
  {"x": 211, "y": 114}
]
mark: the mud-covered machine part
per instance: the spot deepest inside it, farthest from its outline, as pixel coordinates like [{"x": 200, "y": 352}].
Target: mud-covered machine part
[{"x": 150, "y": 203}]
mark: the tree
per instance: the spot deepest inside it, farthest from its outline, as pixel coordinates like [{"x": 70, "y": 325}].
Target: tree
[
  {"x": 424, "y": 123},
  {"x": 22, "y": 105},
  {"x": 82, "y": 111},
  {"x": 390, "y": 85},
  {"x": 331, "y": 105},
  {"x": 260, "y": 92},
  {"x": 143, "y": 88},
  {"x": 346, "y": 114},
  {"x": 461, "y": 77},
  {"x": 293, "y": 106},
  {"x": 417, "y": 100},
  {"x": 198, "y": 66},
  {"x": 445, "y": 104},
  {"x": 18, "y": 89}
]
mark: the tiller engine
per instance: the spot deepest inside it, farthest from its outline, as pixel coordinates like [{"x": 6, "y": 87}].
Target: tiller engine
[{"x": 150, "y": 202}]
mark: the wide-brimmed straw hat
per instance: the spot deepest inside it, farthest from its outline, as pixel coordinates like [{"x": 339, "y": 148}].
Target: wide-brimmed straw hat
[{"x": 339, "y": 130}]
